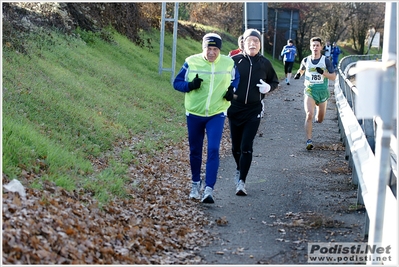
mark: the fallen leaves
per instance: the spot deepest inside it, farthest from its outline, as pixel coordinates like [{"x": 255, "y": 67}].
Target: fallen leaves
[
  {"x": 157, "y": 224},
  {"x": 305, "y": 220},
  {"x": 331, "y": 147},
  {"x": 76, "y": 231},
  {"x": 221, "y": 221}
]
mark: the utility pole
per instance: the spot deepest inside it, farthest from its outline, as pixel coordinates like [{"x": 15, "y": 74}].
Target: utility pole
[
  {"x": 162, "y": 41},
  {"x": 275, "y": 33}
]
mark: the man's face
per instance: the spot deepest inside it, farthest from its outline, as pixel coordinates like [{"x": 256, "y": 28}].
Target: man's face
[
  {"x": 252, "y": 45},
  {"x": 315, "y": 47},
  {"x": 211, "y": 53}
]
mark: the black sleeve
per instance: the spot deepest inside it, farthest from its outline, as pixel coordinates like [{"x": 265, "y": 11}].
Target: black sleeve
[{"x": 272, "y": 78}]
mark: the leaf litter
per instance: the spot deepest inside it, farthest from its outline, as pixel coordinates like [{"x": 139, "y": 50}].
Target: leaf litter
[{"x": 156, "y": 224}]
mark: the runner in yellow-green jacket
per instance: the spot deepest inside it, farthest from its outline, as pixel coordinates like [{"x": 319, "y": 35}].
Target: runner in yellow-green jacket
[{"x": 209, "y": 81}]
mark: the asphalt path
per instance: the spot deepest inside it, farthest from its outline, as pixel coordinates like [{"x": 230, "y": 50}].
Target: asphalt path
[{"x": 294, "y": 196}]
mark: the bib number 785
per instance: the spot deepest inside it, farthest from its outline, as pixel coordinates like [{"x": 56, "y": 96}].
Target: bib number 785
[{"x": 316, "y": 78}]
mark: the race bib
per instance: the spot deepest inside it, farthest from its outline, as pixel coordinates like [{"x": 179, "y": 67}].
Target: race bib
[{"x": 316, "y": 78}]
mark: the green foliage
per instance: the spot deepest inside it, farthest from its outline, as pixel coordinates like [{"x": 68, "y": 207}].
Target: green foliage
[
  {"x": 90, "y": 37},
  {"x": 68, "y": 100}
]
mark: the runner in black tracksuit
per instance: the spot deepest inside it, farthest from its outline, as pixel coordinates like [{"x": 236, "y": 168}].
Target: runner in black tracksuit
[{"x": 246, "y": 108}]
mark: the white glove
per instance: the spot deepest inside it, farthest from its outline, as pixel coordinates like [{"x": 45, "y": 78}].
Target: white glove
[{"x": 263, "y": 87}]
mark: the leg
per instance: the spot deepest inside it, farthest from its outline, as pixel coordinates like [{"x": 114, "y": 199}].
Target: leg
[
  {"x": 247, "y": 141},
  {"x": 286, "y": 71},
  {"x": 309, "y": 106},
  {"x": 335, "y": 62},
  {"x": 236, "y": 137},
  {"x": 289, "y": 71},
  {"x": 321, "y": 104},
  {"x": 196, "y": 133},
  {"x": 321, "y": 111},
  {"x": 214, "y": 131}
]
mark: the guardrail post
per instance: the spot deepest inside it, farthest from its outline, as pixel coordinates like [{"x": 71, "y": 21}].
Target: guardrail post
[
  {"x": 366, "y": 225},
  {"x": 374, "y": 170},
  {"x": 384, "y": 126},
  {"x": 369, "y": 131}
]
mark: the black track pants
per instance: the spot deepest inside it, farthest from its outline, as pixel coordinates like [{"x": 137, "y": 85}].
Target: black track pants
[{"x": 242, "y": 139}]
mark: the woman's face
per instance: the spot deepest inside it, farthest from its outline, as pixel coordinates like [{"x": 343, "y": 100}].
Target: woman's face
[{"x": 252, "y": 45}]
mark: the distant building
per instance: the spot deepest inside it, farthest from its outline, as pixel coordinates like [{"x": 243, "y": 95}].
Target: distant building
[{"x": 277, "y": 25}]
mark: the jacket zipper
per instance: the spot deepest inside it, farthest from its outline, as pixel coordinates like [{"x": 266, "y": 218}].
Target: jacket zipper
[
  {"x": 211, "y": 84},
  {"x": 249, "y": 79}
]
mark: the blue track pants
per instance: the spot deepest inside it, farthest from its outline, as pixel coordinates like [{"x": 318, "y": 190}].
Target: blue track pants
[{"x": 197, "y": 128}]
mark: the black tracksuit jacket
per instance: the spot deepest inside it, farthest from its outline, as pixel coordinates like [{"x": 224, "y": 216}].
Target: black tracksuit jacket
[{"x": 247, "y": 104}]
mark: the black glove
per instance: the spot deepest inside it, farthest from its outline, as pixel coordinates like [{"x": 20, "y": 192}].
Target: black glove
[
  {"x": 297, "y": 76},
  {"x": 229, "y": 94},
  {"x": 195, "y": 83},
  {"x": 319, "y": 70}
]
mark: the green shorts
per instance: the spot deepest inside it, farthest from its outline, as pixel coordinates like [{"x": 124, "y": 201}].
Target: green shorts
[{"x": 319, "y": 96}]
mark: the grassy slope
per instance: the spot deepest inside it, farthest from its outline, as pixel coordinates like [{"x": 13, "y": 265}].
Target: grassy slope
[{"x": 67, "y": 103}]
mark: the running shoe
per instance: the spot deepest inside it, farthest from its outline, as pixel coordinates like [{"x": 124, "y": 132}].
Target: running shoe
[
  {"x": 237, "y": 177},
  {"x": 240, "y": 190},
  {"x": 207, "y": 196},
  {"x": 309, "y": 144},
  {"x": 195, "y": 190}
]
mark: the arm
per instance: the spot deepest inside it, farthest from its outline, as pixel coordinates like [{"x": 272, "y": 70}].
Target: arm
[
  {"x": 284, "y": 51},
  {"x": 330, "y": 72},
  {"x": 330, "y": 76},
  {"x": 235, "y": 77},
  {"x": 180, "y": 83},
  {"x": 301, "y": 69}
]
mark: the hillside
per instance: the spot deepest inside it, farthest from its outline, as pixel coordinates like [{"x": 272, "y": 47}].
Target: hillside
[{"x": 98, "y": 140}]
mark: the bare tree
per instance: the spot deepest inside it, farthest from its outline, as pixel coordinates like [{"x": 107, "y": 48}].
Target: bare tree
[
  {"x": 226, "y": 16},
  {"x": 309, "y": 26},
  {"x": 362, "y": 17},
  {"x": 331, "y": 21},
  {"x": 335, "y": 16}
]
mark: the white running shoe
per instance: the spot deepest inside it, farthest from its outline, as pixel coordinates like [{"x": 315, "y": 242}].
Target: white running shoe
[
  {"x": 195, "y": 190},
  {"x": 237, "y": 177},
  {"x": 207, "y": 196},
  {"x": 240, "y": 190}
]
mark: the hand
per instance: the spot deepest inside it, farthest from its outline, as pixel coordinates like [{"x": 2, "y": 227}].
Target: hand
[
  {"x": 297, "y": 76},
  {"x": 195, "y": 83},
  {"x": 263, "y": 87},
  {"x": 229, "y": 94},
  {"x": 319, "y": 70}
]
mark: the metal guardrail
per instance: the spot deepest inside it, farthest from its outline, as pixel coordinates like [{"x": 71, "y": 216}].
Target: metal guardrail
[
  {"x": 347, "y": 84},
  {"x": 358, "y": 138}
]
